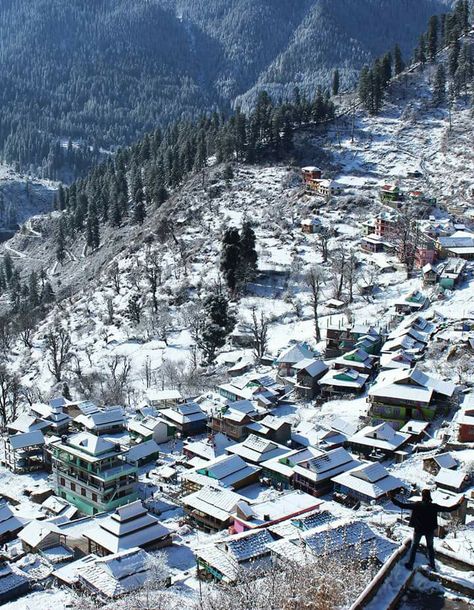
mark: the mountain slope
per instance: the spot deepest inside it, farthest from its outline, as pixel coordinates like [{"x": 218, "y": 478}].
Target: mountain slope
[{"x": 104, "y": 72}]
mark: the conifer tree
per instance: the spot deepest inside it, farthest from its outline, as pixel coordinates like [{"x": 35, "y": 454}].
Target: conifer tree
[
  {"x": 230, "y": 257},
  {"x": 432, "y": 38},
  {"x": 439, "y": 86},
  {"x": 398, "y": 64},
  {"x": 335, "y": 82}
]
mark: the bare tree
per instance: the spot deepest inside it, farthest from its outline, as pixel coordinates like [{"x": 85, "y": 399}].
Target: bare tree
[
  {"x": 115, "y": 276},
  {"x": 153, "y": 273},
  {"x": 25, "y": 325},
  {"x": 350, "y": 272},
  {"x": 116, "y": 379},
  {"x": 10, "y": 392},
  {"x": 6, "y": 334},
  {"x": 110, "y": 310},
  {"x": 58, "y": 349},
  {"x": 315, "y": 280},
  {"x": 406, "y": 237},
  {"x": 258, "y": 327},
  {"x": 338, "y": 263},
  {"x": 322, "y": 243},
  {"x": 162, "y": 322}
]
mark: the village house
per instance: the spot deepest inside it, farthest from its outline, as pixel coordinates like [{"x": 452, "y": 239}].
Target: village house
[
  {"x": 256, "y": 450},
  {"x": 163, "y": 399},
  {"x": 128, "y": 527},
  {"x": 207, "y": 449},
  {"x": 150, "y": 428},
  {"x": 404, "y": 342},
  {"x": 233, "y": 419},
  {"x": 27, "y": 423},
  {"x": 24, "y": 452},
  {"x": 374, "y": 243},
  {"x": 452, "y": 273},
  {"x": 343, "y": 338},
  {"x": 311, "y": 225},
  {"x": 226, "y": 560},
  {"x": 336, "y": 538},
  {"x": 310, "y": 173},
  {"x": 272, "y": 428},
  {"x": 327, "y": 188},
  {"x": 188, "y": 419},
  {"x": 115, "y": 575},
  {"x": 228, "y": 471},
  {"x": 288, "y": 505},
  {"x": 452, "y": 480},
  {"x": 308, "y": 372},
  {"x": 39, "y": 535},
  {"x": 397, "y": 359},
  {"x": 291, "y": 356},
  {"x": 342, "y": 381},
  {"x": 465, "y": 420},
  {"x": 412, "y": 302},
  {"x": 279, "y": 471},
  {"x": 323, "y": 437},
  {"x": 425, "y": 251},
  {"x": 13, "y": 582},
  {"x": 53, "y": 414},
  {"x": 401, "y": 395},
  {"x": 368, "y": 226},
  {"x": 143, "y": 453},
  {"x": 241, "y": 336},
  {"x": 367, "y": 483},
  {"x": 211, "y": 508},
  {"x": 433, "y": 464},
  {"x": 357, "y": 359},
  {"x": 417, "y": 430},
  {"x": 263, "y": 389},
  {"x": 389, "y": 193},
  {"x": 104, "y": 421},
  {"x": 430, "y": 275},
  {"x": 459, "y": 244},
  {"x": 314, "y": 475},
  {"x": 10, "y": 524},
  {"x": 378, "y": 442},
  {"x": 92, "y": 473}
]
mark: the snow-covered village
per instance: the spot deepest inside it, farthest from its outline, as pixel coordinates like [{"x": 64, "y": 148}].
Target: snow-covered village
[{"x": 235, "y": 399}]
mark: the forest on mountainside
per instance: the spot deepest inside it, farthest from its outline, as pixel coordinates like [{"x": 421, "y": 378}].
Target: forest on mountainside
[{"x": 79, "y": 77}]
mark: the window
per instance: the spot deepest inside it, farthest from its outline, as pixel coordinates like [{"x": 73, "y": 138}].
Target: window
[
  {"x": 73, "y": 487},
  {"x": 62, "y": 481},
  {"x": 94, "y": 497},
  {"x": 83, "y": 492}
]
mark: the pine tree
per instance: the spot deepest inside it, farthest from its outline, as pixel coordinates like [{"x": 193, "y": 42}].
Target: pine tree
[
  {"x": 453, "y": 59},
  {"x": 139, "y": 210},
  {"x": 92, "y": 227},
  {"x": 8, "y": 267},
  {"x": 398, "y": 64},
  {"x": 335, "y": 82},
  {"x": 60, "y": 242},
  {"x": 432, "y": 41},
  {"x": 420, "y": 54},
  {"x": 33, "y": 290},
  {"x": 230, "y": 257},
  {"x": 248, "y": 253},
  {"x": 47, "y": 296},
  {"x": 439, "y": 86}
]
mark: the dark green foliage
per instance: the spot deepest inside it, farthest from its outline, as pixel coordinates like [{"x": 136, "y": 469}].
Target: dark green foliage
[
  {"x": 239, "y": 256},
  {"x": 439, "y": 86},
  {"x": 335, "y": 82},
  {"x": 453, "y": 58},
  {"x": 217, "y": 324},
  {"x": 230, "y": 257},
  {"x": 398, "y": 63},
  {"x": 76, "y": 77},
  {"x": 432, "y": 37}
]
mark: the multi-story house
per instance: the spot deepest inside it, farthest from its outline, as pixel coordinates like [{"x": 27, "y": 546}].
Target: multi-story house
[{"x": 92, "y": 473}]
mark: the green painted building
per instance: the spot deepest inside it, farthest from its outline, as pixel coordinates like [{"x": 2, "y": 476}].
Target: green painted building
[{"x": 92, "y": 473}]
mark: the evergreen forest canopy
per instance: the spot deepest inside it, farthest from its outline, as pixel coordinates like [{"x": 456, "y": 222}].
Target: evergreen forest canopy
[{"x": 76, "y": 77}]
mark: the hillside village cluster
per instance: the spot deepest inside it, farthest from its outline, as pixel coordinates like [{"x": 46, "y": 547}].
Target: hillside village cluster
[{"x": 293, "y": 456}]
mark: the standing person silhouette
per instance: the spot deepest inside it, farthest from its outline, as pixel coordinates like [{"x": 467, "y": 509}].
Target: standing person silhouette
[{"x": 424, "y": 521}]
